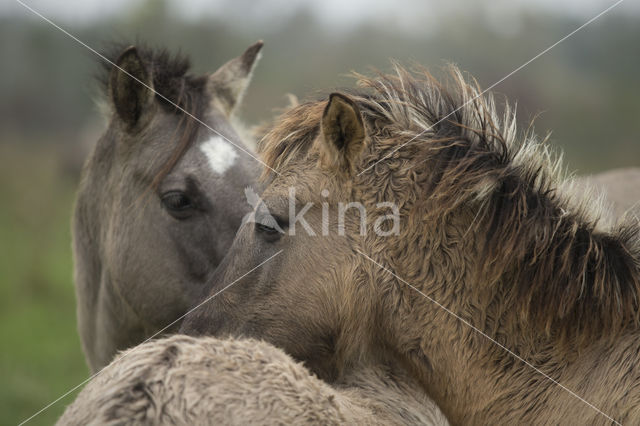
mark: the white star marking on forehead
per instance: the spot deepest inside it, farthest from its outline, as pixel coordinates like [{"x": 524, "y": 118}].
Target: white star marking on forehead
[{"x": 220, "y": 153}]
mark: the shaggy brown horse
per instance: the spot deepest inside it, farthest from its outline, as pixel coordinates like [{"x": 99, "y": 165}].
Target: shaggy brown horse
[{"x": 505, "y": 296}]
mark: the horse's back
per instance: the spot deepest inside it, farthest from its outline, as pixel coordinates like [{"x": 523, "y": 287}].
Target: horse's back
[{"x": 205, "y": 380}]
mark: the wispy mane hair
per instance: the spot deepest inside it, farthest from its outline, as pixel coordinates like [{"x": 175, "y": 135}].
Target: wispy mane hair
[
  {"x": 542, "y": 249},
  {"x": 171, "y": 80}
]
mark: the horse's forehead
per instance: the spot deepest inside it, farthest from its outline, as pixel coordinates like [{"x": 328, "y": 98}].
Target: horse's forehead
[{"x": 219, "y": 153}]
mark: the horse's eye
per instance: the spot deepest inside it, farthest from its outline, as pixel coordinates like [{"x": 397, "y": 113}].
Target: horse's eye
[
  {"x": 266, "y": 229},
  {"x": 178, "y": 204},
  {"x": 271, "y": 232}
]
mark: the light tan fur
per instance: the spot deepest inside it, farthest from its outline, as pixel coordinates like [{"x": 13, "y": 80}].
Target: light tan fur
[
  {"x": 485, "y": 231},
  {"x": 206, "y": 381}
]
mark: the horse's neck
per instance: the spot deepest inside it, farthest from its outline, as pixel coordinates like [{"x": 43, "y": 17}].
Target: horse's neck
[
  {"x": 479, "y": 350},
  {"x": 437, "y": 337},
  {"x": 478, "y": 379}
]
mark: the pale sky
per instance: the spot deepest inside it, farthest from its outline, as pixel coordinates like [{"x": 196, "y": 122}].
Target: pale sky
[{"x": 333, "y": 12}]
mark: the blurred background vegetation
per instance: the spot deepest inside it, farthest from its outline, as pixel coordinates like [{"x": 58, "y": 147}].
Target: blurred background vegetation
[{"x": 586, "y": 90}]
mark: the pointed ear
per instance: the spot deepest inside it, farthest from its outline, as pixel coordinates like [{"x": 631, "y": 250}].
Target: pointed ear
[
  {"x": 343, "y": 133},
  {"x": 129, "y": 96},
  {"x": 228, "y": 85}
]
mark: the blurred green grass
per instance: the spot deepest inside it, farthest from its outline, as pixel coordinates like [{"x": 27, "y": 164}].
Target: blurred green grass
[{"x": 41, "y": 357}]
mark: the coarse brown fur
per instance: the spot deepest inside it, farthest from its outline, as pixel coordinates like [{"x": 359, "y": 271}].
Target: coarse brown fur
[
  {"x": 470, "y": 152},
  {"x": 488, "y": 231}
]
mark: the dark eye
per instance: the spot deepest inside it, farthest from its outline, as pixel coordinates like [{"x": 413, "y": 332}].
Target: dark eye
[
  {"x": 266, "y": 229},
  {"x": 269, "y": 228},
  {"x": 178, "y": 204}
]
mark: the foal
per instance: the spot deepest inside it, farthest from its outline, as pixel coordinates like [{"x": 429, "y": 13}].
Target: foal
[
  {"x": 486, "y": 264},
  {"x": 160, "y": 198}
]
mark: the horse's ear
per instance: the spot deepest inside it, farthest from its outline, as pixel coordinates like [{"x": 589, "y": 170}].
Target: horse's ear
[
  {"x": 131, "y": 86},
  {"x": 229, "y": 83},
  {"x": 343, "y": 133}
]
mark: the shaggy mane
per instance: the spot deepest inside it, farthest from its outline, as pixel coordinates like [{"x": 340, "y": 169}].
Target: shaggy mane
[
  {"x": 169, "y": 71},
  {"x": 542, "y": 247},
  {"x": 171, "y": 79}
]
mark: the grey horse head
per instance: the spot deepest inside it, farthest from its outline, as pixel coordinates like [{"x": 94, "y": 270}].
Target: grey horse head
[{"x": 161, "y": 196}]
